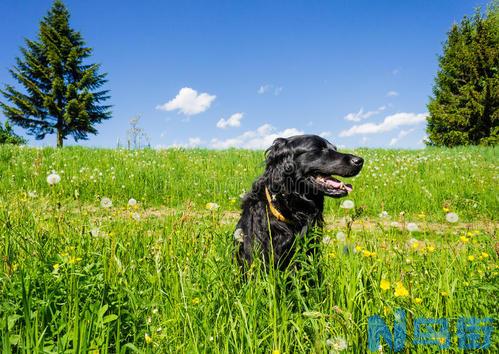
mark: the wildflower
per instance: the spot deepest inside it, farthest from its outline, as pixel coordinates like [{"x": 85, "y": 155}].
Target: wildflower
[
  {"x": 451, "y": 217},
  {"x": 484, "y": 255},
  {"x": 418, "y": 300},
  {"x": 471, "y": 258},
  {"x": 430, "y": 248},
  {"x": 414, "y": 243},
  {"x": 148, "y": 338},
  {"x": 239, "y": 235},
  {"x": 464, "y": 239},
  {"x": 105, "y": 202},
  {"x": 445, "y": 209},
  {"x": 367, "y": 253},
  {"x": 136, "y": 216},
  {"x": 384, "y": 284},
  {"x": 412, "y": 227},
  {"x": 53, "y": 178},
  {"x": 337, "y": 344},
  {"x": 56, "y": 266},
  {"x": 276, "y": 351},
  {"x": 132, "y": 202},
  {"x": 196, "y": 301},
  {"x": 326, "y": 240},
  {"x": 400, "y": 290},
  {"x": 358, "y": 248},
  {"x": 340, "y": 236},
  {"x": 212, "y": 206},
  {"x": 444, "y": 293},
  {"x": 347, "y": 204},
  {"x": 74, "y": 260},
  {"x": 384, "y": 215},
  {"x": 95, "y": 232}
]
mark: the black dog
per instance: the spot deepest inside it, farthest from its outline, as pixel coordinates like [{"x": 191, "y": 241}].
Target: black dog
[{"x": 288, "y": 199}]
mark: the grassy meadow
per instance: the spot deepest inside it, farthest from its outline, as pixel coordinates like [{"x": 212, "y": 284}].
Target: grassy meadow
[{"x": 82, "y": 270}]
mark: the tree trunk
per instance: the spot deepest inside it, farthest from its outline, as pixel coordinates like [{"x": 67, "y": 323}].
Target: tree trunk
[{"x": 60, "y": 139}]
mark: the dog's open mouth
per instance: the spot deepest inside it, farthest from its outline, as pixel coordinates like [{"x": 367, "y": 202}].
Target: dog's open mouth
[{"x": 332, "y": 186}]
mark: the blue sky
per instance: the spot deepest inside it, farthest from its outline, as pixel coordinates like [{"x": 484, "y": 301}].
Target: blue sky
[{"x": 239, "y": 73}]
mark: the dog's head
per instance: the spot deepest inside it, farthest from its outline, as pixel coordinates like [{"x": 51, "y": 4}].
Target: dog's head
[{"x": 306, "y": 164}]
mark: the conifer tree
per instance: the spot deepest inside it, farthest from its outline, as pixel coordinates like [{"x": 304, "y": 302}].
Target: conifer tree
[
  {"x": 464, "y": 109},
  {"x": 60, "y": 90}
]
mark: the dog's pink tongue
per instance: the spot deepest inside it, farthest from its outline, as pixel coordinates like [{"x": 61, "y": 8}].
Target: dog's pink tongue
[{"x": 337, "y": 184}]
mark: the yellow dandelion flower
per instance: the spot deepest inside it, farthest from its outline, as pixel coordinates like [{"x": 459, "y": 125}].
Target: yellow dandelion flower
[
  {"x": 358, "y": 248},
  {"x": 471, "y": 258},
  {"x": 445, "y": 209},
  {"x": 430, "y": 248},
  {"x": 384, "y": 284},
  {"x": 464, "y": 239},
  {"x": 418, "y": 300},
  {"x": 485, "y": 255},
  {"x": 74, "y": 260},
  {"x": 400, "y": 290},
  {"x": 276, "y": 351},
  {"x": 148, "y": 338},
  {"x": 444, "y": 293},
  {"x": 196, "y": 301},
  {"x": 56, "y": 266},
  {"x": 442, "y": 340}
]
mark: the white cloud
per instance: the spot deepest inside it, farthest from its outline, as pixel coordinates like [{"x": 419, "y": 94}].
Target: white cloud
[
  {"x": 392, "y": 94},
  {"x": 261, "y": 138},
  {"x": 233, "y": 121},
  {"x": 276, "y": 90},
  {"x": 188, "y": 102},
  {"x": 389, "y": 123},
  {"x": 360, "y": 115},
  {"x": 403, "y": 133}
]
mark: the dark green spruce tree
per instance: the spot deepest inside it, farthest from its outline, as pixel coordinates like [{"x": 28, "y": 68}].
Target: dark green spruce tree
[
  {"x": 61, "y": 92},
  {"x": 464, "y": 109}
]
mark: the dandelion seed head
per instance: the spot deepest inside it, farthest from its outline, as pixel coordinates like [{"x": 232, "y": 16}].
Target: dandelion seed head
[
  {"x": 347, "y": 204},
  {"x": 451, "y": 217},
  {"x": 106, "y": 203},
  {"x": 53, "y": 178}
]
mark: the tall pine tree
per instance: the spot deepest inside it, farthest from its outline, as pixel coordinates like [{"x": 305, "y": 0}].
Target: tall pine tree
[
  {"x": 464, "y": 109},
  {"x": 61, "y": 91}
]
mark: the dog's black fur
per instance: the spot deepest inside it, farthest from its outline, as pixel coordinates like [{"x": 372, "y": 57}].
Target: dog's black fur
[{"x": 291, "y": 167}]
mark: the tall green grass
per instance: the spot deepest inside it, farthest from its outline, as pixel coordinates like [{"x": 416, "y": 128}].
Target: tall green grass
[{"x": 77, "y": 277}]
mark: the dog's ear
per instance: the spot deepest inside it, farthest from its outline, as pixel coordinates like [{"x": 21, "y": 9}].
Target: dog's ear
[
  {"x": 280, "y": 166},
  {"x": 277, "y": 152}
]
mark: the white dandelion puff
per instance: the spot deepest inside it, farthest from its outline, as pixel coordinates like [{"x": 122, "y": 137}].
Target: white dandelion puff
[
  {"x": 132, "y": 202},
  {"x": 136, "y": 216},
  {"x": 340, "y": 236},
  {"x": 326, "y": 240},
  {"x": 347, "y": 204},
  {"x": 412, "y": 227},
  {"x": 53, "y": 178},
  {"x": 451, "y": 217},
  {"x": 337, "y": 344},
  {"x": 105, "y": 202},
  {"x": 384, "y": 215},
  {"x": 212, "y": 206}
]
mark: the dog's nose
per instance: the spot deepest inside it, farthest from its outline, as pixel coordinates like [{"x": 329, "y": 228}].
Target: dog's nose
[{"x": 357, "y": 161}]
